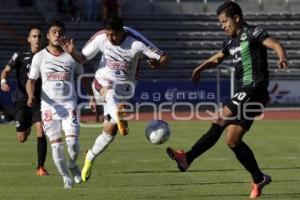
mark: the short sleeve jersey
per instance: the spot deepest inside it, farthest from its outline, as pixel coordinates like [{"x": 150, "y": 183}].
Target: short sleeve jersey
[
  {"x": 121, "y": 62},
  {"x": 21, "y": 62},
  {"x": 57, "y": 74},
  {"x": 249, "y": 56}
]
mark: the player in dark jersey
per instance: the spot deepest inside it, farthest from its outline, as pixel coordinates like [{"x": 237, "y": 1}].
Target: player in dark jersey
[
  {"x": 248, "y": 47},
  {"x": 26, "y": 116}
]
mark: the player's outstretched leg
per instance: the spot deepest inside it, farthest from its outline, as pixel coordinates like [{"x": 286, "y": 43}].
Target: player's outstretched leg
[
  {"x": 101, "y": 143},
  {"x": 257, "y": 188}
]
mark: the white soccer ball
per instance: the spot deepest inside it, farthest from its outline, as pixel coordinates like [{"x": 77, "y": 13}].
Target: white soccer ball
[{"x": 158, "y": 131}]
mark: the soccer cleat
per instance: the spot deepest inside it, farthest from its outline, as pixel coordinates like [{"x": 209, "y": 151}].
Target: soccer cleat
[
  {"x": 86, "y": 170},
  {"x": 180, "y": 158},
  {"x": 257, "y": 188},
  {"x": 76, "y": 174},
  {"x": 68, "y": 182},
  {"x": 121, "y": 122},
  {"x": 41, "y": 171}
]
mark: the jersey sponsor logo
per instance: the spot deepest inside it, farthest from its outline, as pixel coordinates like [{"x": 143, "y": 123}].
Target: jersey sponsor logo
[
  {"x": 58, "y": 76},
  {"x": 234, "y": 50},
  {"x": 27, "y": 58},
  {"x": 116, "y": 65}
]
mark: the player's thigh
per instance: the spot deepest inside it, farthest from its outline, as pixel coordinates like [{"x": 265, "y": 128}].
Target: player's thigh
[
  {"x": 235, "y": 104},
  {"x": 52, "y": 127},
  {"x": 23, "y": 118},
  {"x": 256, "y": 104},
  {"x": 96, "y": 86},
  {"x": 70, "y": 124}
]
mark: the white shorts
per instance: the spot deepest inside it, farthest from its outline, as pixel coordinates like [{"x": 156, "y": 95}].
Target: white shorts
[
  {"x": 100, "y": 100},
  {"x": 60, "y": 117}
]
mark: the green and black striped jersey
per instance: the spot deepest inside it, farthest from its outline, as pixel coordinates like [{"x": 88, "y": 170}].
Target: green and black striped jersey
[{"x": 249, "y": 56}]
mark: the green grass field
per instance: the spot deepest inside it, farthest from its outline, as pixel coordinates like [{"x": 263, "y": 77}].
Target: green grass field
[{"x": 132, "y": 168}]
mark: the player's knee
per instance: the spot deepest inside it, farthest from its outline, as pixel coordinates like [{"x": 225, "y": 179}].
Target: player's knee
[
  {"x": 110, "y": 128},
  {"x": 220, "y": 121},
  {"x": 71, "y": 141},
  {"x": 232, "y": 143},
  {"x": 21, "y": 137}
]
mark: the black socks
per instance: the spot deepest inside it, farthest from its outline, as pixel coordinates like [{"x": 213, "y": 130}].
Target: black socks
[
  {"x": 41, "y": 150},
  {"x": 205, "y": 142},
  {"x": 246, "y": 157}
]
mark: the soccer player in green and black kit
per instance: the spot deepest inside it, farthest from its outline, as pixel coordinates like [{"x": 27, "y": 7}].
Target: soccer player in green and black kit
[{"x": 247, "y": 45}]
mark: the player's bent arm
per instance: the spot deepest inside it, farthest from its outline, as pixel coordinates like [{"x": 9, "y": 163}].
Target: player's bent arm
[
  {"x": 30, "y": 86},
  {"x": 69, "y": 47},
  {"x": 210, "y": 62},
  {"x": 161, "y": 63},
  {"x": 79, "y": 57},
  {"x": 276, "y": 46},
  {"x": 4, "y": 74}
]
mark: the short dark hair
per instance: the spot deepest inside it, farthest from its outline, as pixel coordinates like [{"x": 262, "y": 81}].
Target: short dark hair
[
  {"x": 230, "y": 9},
  {"x": 35, "y": 26},
  {"x": 56, "y": 23},
  {"x": 114, "y": 23}
]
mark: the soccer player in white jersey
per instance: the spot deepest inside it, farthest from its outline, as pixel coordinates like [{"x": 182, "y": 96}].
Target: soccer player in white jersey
[
  {"x": 122, "y": 50},
  {"x": 58, "y": 100}
]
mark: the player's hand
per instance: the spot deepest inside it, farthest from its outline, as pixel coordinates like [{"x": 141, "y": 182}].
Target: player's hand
[
  {"x": 153, "y": 63},
  {"x": 282, "y": 64},
  {"x": 195, "y": 76},
  {"x": 93, "y": 104},
  {"x": 5, "y": 87},
  {"x": 31, "y": 101},
  {"x": 67, "y": 44}
]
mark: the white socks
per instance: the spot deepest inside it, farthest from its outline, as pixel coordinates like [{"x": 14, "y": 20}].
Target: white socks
[
  {"x": 59, "y": 158},
  {"x": 100, "y": 145},
  {"x": 73, "y": 150}
]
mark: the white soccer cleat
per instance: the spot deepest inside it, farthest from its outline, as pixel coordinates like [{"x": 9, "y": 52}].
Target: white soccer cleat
[
  {"x": 68, "y": 182},
  {"x": 76, "y": 172}
]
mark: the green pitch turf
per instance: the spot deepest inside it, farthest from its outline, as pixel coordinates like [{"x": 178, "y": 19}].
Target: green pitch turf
[{"x": 132, "y": 168}]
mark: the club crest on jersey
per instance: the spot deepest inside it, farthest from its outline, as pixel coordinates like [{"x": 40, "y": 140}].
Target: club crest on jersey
[{"x": 243, "y": 37}]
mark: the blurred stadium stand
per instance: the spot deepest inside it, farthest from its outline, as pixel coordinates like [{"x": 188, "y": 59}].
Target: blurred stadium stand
[{"x": 187, "y": 30}]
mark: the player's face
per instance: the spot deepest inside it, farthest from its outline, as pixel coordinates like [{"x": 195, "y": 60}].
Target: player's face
[
  {"x": 54, "y": 33},
  {"x": 35, "y": 38},
  {"x": 229, "y": 25},
  {"x": 115, "y": 37}
]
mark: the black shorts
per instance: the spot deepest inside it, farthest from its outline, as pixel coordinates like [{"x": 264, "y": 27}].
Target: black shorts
[
  {"x": 246, "y": 104},
  {"x": 26, "y": 116}
]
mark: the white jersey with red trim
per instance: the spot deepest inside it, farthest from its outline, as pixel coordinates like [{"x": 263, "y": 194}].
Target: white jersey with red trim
[
  {"x": 120, "y": 62},
  {"x": 57, "y": 73}
]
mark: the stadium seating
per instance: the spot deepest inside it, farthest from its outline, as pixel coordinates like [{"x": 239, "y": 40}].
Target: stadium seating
[{"x": 187, "y": 38}]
